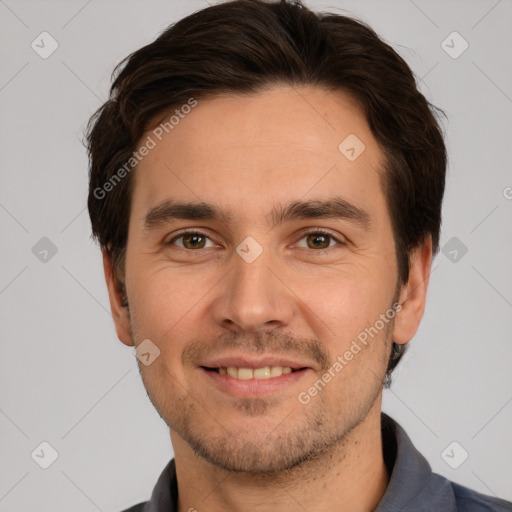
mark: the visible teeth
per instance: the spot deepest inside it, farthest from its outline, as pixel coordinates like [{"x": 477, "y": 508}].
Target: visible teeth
[
  {"x": 245, "y": 373},
  {"x": 265, "y": 372},
  {"x": 276, "y": 371},
  {"x": 262, "y": 373}
]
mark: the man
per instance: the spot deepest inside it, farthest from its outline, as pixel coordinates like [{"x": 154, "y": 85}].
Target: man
[{"x": 266, "y": 185}]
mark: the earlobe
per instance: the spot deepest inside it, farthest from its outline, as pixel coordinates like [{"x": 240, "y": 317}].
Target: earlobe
[
  {"x": 118, "y": 303},
  {"x": 413, "y": 294}
]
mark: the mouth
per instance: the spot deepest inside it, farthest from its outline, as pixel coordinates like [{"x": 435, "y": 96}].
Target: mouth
[
  {"x": 244, "y": 373},
  {"x": 256, "y": 380}
]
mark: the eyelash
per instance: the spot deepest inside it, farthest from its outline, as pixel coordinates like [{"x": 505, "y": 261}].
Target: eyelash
[{"x": 311, "y": 232}]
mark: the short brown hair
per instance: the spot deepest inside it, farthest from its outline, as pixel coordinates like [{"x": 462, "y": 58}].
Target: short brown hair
[{"x": 243, "y": 46}]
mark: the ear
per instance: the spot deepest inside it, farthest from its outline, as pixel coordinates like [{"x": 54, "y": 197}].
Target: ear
[
  {"x": 414, "y": 294},
  {"x": 120, "y": 313}
]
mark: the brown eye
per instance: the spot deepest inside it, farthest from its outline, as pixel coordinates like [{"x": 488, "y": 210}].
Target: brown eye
[
  {"x": 191, "y": 240},
  {"x": 318, "y": 241}
]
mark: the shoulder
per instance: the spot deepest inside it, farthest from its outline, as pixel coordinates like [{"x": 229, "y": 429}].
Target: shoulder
[
  {"x": 414, "y": 486},
  {"x": 469, "y": 500},
  {"x": 164, "y": 495},
  {"x": 136, "y": 508}
]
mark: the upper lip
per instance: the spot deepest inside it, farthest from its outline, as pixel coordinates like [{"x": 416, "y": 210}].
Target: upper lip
[{"x": 253, "y": 362}]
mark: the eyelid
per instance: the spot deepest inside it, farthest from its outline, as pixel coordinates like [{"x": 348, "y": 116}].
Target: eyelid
[{"x": 323, "y": 231}]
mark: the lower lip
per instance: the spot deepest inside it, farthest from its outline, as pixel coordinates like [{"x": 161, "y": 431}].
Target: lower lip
[{"x": 254, "y": 387}]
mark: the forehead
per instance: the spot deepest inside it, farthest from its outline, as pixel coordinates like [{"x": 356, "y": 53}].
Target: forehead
[{"x": 246, "y": 151}]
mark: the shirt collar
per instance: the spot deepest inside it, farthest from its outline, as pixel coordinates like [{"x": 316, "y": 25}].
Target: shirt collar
[{"x": 412, "y": 484}]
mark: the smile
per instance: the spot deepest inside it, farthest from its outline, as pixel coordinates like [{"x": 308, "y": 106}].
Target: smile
[
  {"x": 241, "y": 381},
  {"x": 265, "y": 372}
]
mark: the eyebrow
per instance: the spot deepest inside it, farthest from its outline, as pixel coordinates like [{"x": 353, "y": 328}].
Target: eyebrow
[{"x": 330, "y": 208}]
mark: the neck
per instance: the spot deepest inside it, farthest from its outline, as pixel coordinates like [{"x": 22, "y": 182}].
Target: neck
[{"x": 351, "y": 477}]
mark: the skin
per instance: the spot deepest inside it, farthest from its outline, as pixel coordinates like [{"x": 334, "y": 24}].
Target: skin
[{"x": 246, "y": 153}]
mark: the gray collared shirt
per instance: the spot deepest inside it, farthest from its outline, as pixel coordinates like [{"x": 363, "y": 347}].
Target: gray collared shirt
[{"x": 412, "y": 486}]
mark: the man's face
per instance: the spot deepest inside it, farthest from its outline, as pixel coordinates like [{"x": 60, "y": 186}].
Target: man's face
[{"x": 210, "y": 300}]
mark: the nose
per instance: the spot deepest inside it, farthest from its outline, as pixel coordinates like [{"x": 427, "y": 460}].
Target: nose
[{"x": 252, "y": 297}]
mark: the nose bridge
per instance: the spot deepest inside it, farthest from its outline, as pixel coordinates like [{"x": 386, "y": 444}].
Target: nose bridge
[{"x": 251, "y": 297}]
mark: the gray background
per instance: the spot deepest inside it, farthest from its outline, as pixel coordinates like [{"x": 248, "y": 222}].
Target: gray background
[{"x": 67, "y": 380}]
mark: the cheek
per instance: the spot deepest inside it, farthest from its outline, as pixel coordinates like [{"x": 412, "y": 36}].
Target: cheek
[
  {"x": 342, "y": 306},
  {"x": 159, "y": 298},
  {"x": 163, "y": 293},
  {"x": 341, "y": 301},
  {"x": 168, "y": 304}
]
